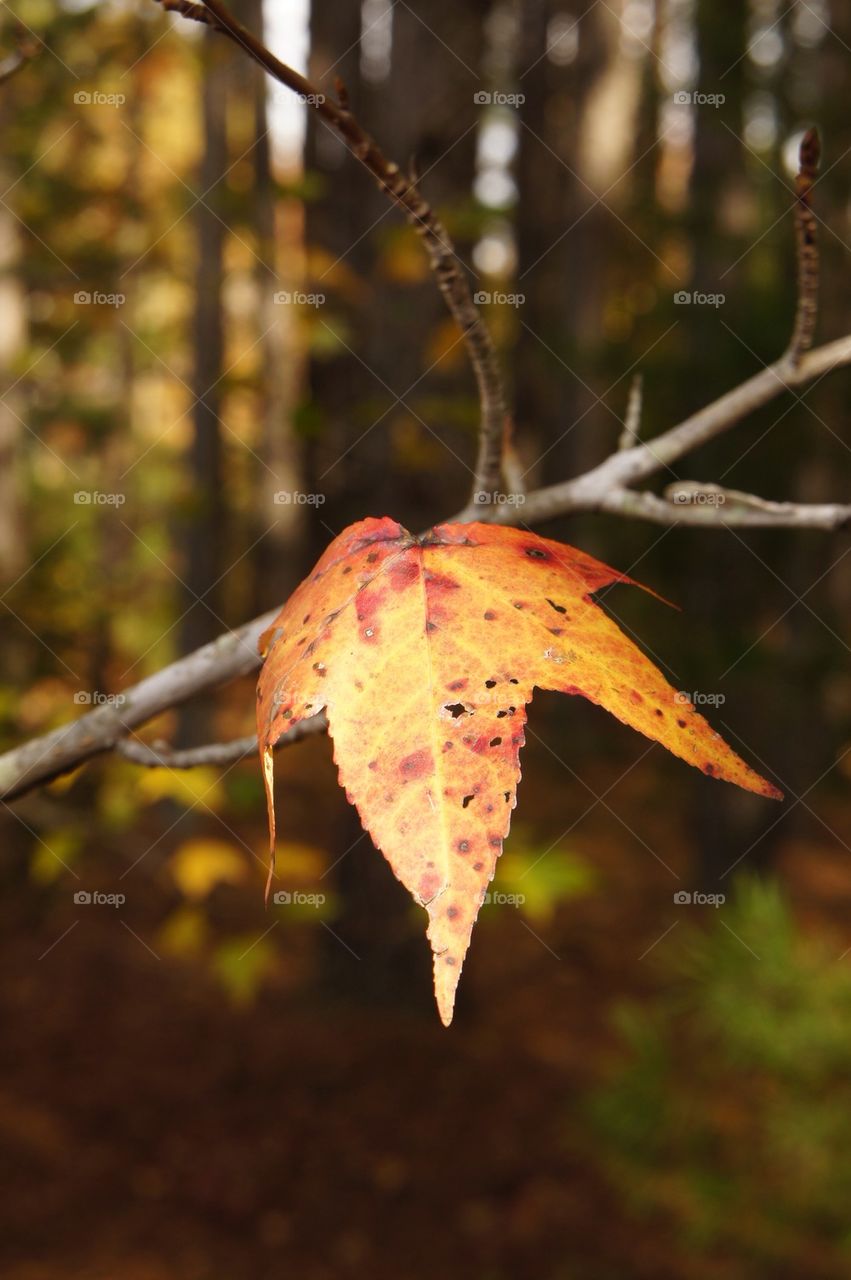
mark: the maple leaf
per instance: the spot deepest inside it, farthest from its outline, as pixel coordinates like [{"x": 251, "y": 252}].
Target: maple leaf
[{"x": 424, "y": 652}]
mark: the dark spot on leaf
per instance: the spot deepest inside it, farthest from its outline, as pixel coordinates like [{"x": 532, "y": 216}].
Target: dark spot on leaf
[
  {"x": 506, "y": 796},
  {"x": 452, "y": 912},
  {"x": 556, "y": 631},
  {"x": 288, "y": 714},
  {"x": 635, "y": 696},
  {"x": 681, "y": 723},
  {"x": 305, "y": 619},
  {"x": 319, "y": 668},
  {"x": 431, "y": 626},
  {"x": 494, "y": 841},
  {"x": 402, "y": 574},
  {"x": 518, "y": 604},
  {"x": 347, "y": 569},
  {"x": 417, "y": 764},
  {"x": 373, "y": 764},
  {"x": 457, "y": 685},
  {"x": 495, "y": 742},
  {"x": 535, "y": 553},
  {"x": 511, "y": 680},
  {"x": 489, "y": 615},
  {"x": 463, "y": 846},
  {"x": 439, "y": 581},
  {"x": 477, "y": 866},
  {"x": 448, "y": 959},
  {"x": 659, "y": 711},
  {"x": 372, "y": 557},
  {"x": 447, "y": 746}
]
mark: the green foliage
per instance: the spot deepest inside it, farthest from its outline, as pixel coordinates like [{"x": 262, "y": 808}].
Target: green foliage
[{"x": 732, "y": 1113}]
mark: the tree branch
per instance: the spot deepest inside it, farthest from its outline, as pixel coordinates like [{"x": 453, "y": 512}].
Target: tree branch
[
  {"x": 27, "y": 46},
  {"x": 38, "y": 761},
  {"x": 590, "y": 492},
  {"x": 806, "y": 243},
  {"x": 403, "y": 191},
  {"x": 159, "y": 755}
]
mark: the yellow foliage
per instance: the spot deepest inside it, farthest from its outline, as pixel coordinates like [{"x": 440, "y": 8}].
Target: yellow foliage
[{"x": 199, "y": 865}]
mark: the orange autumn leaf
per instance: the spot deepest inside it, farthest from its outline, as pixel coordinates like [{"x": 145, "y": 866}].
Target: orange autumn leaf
[{"x": 424, "y": 652}]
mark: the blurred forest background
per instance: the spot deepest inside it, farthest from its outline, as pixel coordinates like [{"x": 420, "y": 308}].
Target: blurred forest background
[{"x": 205, "y": 304}]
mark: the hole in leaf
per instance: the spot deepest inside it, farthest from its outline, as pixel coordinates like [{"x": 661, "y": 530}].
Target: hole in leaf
[
  {"x": 455, "y": 709},
  {"x": 536, "y": 554},
  {"x": 490, "y": 684},
  {"x": 496, "y": 742},
  {"x": 511, "y": 680},
  {"x": 467, "y": 800},
  {"x": 559, "y": 608}
]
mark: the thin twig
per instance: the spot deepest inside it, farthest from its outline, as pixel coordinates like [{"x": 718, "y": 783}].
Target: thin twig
[
  {"x": 403, "y": 190},
  {"x": 632, "y": 421},
  {"x": 27, "y": 47},
  {"x": 589, "y": 492},
  {"x": 806, "y": 242},
  {"x": 159, "y": 755}
]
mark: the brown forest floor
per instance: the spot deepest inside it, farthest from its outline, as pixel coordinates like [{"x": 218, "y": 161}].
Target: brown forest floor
[{"x": 151, "y": 1130}]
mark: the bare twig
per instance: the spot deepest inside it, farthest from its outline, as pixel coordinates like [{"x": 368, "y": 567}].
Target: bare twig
[
  {"x": 632, "y": 421},
  {"x": 403, "y": 190},
  {"x": 807, "y": 248},
  {"x": 592, "y": 491},
  {"x": 26, "y": 48},
  {"x": 157, "y": 755},
  {"x": 693, "y": 503},
  {"x": 231, "y": 655}
]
